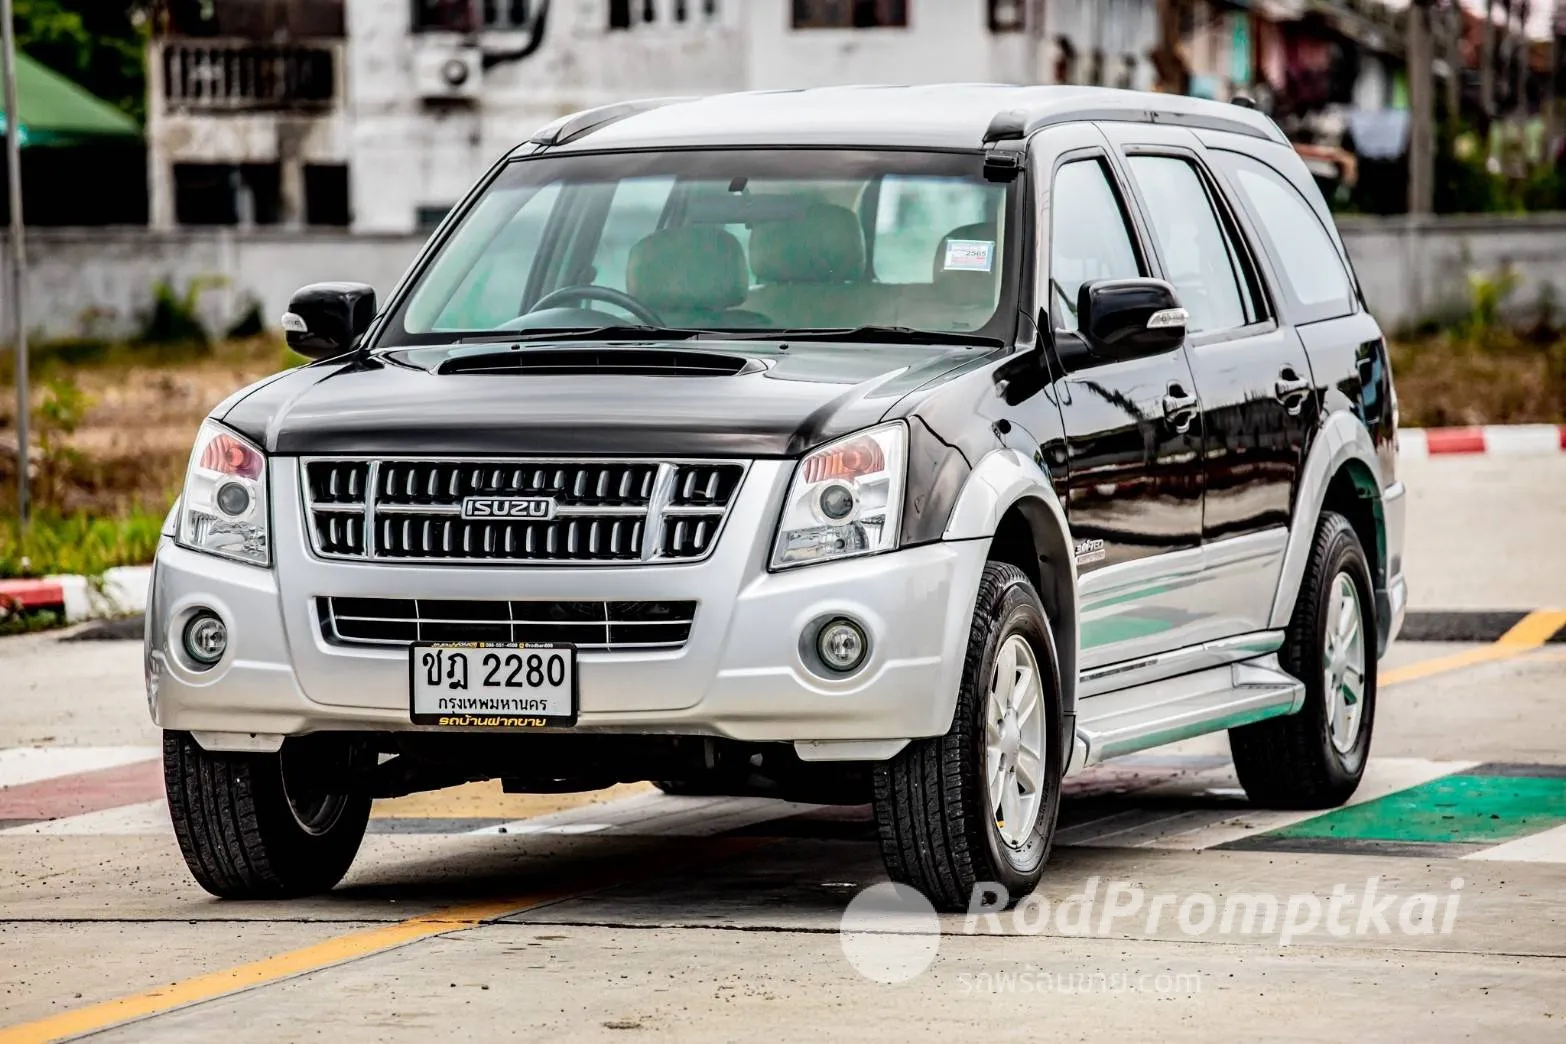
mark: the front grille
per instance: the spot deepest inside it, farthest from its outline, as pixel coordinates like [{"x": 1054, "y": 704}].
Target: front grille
[
  {"x": 602, "y": 511},
  {"x": 590, "y": 626}
]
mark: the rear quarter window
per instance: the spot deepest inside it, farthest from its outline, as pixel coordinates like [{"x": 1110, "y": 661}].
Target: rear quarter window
[{"x": 1313, "y": 277}]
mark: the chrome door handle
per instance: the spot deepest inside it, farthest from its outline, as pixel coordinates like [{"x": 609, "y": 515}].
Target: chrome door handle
[
  {"x": 1180, "y": 408},
  {"x": 1291, "y": 389}
]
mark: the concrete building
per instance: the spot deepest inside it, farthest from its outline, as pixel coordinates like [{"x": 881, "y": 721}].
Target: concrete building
[{"x": 378, "y": 114}]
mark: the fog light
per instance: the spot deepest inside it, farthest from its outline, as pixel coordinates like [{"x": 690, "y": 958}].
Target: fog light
[
  {"x": 842, "y": 645},
  {"x": 233, "y": 499},
  {"x": 206, "y": 639}
]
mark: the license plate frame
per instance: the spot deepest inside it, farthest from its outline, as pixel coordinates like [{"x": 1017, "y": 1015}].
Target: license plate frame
[{"x": 475, "y": 667}]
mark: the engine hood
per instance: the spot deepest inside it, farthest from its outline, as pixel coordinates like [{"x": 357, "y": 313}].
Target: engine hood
[{"x": 783, "y": 402}]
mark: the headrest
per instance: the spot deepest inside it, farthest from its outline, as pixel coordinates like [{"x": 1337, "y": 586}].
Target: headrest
[
  {"x": 698, "y": 267},
  {"x": 968, "y": 276},
  {"x": 825, "y": 245}
]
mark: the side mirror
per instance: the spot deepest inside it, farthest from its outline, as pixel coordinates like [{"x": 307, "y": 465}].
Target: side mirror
[
  {"x": 324, "y": 319},
  {"x": 1125, "y": 319}
]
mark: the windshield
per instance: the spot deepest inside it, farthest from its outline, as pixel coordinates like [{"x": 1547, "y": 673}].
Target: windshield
[{"x": 758, "y": 241}]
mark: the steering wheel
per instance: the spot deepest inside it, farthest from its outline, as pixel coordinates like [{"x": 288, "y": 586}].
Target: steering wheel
[{"x": 606, "y": 294}]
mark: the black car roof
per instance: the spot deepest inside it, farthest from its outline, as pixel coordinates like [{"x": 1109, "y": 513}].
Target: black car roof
[{"x": 945, "y": 116}]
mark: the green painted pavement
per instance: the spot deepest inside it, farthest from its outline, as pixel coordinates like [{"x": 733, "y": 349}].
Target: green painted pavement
[{"x": 1459, "y": 808}]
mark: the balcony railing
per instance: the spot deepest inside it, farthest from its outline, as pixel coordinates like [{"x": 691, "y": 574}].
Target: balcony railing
[{"x": 238, "y": 76}]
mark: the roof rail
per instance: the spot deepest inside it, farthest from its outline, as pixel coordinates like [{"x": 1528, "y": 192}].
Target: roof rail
[
  {"x": 580, "y": 124},
  {"x": 1016, "y": 124}
]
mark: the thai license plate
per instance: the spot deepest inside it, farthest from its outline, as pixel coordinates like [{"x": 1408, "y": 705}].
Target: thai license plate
[{"x": 493, "y": 685}]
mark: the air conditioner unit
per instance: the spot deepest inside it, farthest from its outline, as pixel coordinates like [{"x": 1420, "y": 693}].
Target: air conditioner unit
[{"x": 449, "y": 73}]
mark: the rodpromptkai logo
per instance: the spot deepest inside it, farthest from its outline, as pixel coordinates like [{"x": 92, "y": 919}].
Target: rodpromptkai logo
[{"x": 890, "y": 933}]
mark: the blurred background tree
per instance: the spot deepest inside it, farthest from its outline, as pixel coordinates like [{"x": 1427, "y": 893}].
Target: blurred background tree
[{"x": 100, "y": 44}]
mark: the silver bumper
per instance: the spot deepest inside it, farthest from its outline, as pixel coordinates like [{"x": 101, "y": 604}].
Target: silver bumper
[{"x": 740, "y": 675}]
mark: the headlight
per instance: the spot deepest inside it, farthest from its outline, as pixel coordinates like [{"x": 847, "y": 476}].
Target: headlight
[
  {"x": 223, "y": 509},
  {"x": 846, "y": 499}
]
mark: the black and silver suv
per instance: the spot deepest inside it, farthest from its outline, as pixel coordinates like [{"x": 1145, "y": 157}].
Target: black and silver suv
[{"x": 904, "y": 446}]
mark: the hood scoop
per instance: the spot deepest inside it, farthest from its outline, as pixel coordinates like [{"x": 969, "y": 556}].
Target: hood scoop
[{"x": 620, "y": 362}]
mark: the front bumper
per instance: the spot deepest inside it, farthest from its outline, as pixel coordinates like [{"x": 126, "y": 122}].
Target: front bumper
[{"x": 741, "y": 675}]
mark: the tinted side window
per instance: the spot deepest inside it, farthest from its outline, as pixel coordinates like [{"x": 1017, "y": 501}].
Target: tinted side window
[
  {"x": 1197, "y": 256},
  {"x": 1309, "y": 261},
  {"x": 1089, "y": 240}
]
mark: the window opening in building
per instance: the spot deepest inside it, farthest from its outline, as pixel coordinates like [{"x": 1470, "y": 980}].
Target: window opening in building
[{"x": 850, "y": 14}]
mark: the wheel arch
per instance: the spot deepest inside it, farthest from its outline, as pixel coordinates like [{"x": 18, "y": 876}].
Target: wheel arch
[
  {"x": 1010, "y": 501},
  {"x": 1342, "y": 474}
]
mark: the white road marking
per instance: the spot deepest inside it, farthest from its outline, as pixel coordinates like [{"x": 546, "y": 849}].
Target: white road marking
[
  {"x": 19, "y": 765},
  {"x": 149, "y": 817},
  {"x": 1548, "y": 846},
  {"x": 656, "y": 815},
  {"x": 661, "y": 815}
]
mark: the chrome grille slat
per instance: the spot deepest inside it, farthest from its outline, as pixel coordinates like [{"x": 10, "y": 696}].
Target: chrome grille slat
[
  {"x": 590, "y": 626},
  {"x": 606, "y": 512}
]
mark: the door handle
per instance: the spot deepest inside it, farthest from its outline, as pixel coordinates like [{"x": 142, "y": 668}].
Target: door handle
[
  {"x": 1291, "y": 389},
  {"x": 1180, "y": 407}
]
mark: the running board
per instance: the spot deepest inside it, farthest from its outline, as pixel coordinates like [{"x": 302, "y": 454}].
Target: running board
[{"x": 1162, "y": 712}]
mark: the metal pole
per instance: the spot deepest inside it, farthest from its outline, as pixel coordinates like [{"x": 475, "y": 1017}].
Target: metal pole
[
  {"x": 1487, "y": 51},
  {"x": 1421, "y": 89},
  {"x": 18, "y": 251}
]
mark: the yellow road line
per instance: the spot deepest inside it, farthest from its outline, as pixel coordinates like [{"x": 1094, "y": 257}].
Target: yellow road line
[
  {"x": 258, "y": 973},
  {"x": 336, "y": 950},
  {"x": 1528, "y": 634}
]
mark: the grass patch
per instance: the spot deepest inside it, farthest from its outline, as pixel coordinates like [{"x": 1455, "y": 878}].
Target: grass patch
[
  {"x": 1495, "y": 377},
  {"x": 28, "y": 622},
  {"x": 112, "y": 424},
  {"x": 77, "y": 543}
]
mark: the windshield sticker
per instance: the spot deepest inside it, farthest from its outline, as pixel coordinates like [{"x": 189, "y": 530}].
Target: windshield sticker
[{"x": 970, "y": 255}]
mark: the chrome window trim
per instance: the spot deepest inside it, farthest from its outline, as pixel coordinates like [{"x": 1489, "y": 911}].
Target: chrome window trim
[{"x": 658, "y": 508}]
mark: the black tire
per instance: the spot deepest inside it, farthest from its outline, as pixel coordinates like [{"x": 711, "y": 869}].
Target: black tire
[
  {"x": 937, "y": 832},
  {"x": 1292, "y": 762},
  {"x": 240, "y": 834}
]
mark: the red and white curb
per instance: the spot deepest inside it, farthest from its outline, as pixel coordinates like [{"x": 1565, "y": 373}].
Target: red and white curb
[
  {"x": 1501, "y": 440},
  {"x": 123, "y": 590}
]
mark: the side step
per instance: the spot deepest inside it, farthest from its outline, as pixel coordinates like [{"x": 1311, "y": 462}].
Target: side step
[{"x": 1166, "y": 711}]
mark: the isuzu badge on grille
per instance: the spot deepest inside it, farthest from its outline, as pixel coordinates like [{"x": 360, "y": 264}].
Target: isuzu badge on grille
[{"x": 508, "y": 507}]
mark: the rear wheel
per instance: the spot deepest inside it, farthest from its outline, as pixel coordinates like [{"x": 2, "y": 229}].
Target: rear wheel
[
  {"x": 265, "y": 826},
  {"x": 1315, "y": 759},
  {"x": 978, "y": 805}
]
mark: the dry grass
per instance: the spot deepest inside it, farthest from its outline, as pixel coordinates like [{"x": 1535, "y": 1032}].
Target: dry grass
[
  {"x": 132, "y": 445},
  {"x": 1493, "y": 377}
]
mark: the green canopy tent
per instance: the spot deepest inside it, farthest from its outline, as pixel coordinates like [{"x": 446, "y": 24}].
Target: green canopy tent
[
  {"x": 56, "y": 112},
  {"x": 84, "y": 162}
]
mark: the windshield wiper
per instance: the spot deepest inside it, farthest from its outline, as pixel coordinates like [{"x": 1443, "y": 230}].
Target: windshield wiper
[
  {"x": 870, "y": 335},
  {"x": 583, "y": 333}
]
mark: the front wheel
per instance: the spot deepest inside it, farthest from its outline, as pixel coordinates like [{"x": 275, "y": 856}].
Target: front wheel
[
  {"x": 978, "y": 805},
  {"x": 265, "y": 826}
]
